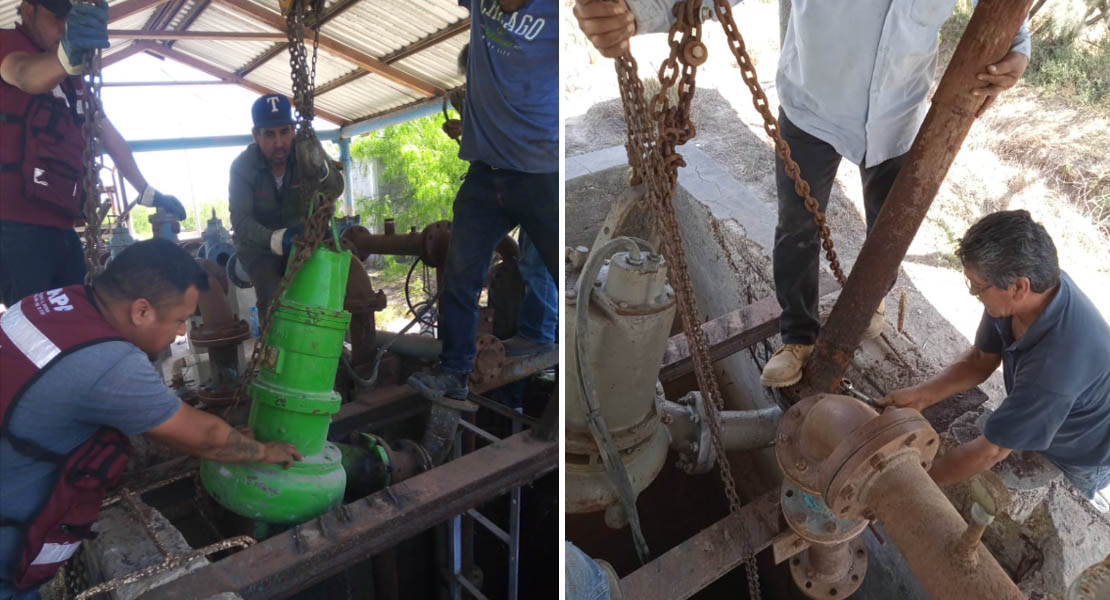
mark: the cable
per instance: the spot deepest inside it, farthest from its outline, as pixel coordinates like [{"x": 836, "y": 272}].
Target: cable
[
  {"x": 614, "y": 466},
  {"x": 408, "y": 298}
]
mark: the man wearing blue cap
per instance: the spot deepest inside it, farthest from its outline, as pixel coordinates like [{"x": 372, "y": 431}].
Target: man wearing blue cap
[
  {"x": 265, "y": 197},
  {"x": 41, "y": 163}
]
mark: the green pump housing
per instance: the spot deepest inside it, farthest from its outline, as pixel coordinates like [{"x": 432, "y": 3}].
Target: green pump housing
[{"x": 292, "y": 400}]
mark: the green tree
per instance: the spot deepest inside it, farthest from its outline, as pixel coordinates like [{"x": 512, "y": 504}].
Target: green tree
[{"x": 419, "y": 164}]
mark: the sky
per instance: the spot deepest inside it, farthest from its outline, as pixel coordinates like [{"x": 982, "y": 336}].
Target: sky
[{"x": 166, "y": 112}]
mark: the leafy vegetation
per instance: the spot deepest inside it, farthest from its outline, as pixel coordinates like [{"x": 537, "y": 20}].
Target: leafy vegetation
[{"x": 419, "y": 172}]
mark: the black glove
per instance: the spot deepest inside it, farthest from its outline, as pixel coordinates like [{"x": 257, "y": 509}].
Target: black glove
[{"x": 287, "y": 238}]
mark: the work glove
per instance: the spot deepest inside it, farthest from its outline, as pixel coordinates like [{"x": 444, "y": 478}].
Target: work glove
[
  {"x": 86, "y": 29},
  {"x": 281, "y": 240},
  {"x": 152, "y": 197}
]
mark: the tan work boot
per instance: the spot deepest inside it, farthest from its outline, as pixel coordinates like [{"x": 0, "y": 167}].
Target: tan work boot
[
  {"x": 785, "y": 367},
  {"x": 875, "y": 328}
]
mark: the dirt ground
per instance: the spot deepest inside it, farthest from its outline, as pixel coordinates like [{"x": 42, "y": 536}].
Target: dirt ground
[{"x": 1026, "y": 152}]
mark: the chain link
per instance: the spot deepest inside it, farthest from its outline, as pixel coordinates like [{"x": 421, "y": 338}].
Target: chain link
[
  {"x": 94, "y": 209},
  {"x": 318, "y": 207},
  {"x": 655, "y": 129},
  {"x": 771, "y": 126}
]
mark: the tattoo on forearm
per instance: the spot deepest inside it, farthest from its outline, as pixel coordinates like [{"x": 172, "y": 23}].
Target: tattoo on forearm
[{"x": 239, "y": 447}]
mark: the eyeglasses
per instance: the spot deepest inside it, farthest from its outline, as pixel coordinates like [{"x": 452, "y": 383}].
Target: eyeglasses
[{"x": 975, "y": 290}]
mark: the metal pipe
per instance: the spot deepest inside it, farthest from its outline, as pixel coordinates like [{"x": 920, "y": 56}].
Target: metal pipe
[
  {"x": 410, "y": 344},
  {"x": 750, "y": 429},
  {"x": 968, "y": 543},
  {"x": 923, "y": 524},
  {"x": 986, "y": 40},
  {"x": 830, "y": 562}
]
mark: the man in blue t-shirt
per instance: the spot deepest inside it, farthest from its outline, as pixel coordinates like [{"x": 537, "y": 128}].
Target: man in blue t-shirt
[
  {"x": 510, "y": 136},
  {"x": 1054, "y": 347},
  {"x": 145, "y": 295}
]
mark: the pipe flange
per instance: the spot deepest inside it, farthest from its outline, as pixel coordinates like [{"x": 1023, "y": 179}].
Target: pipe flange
[
  {"x": 236, "y": 274},
  {"x": 219, "y": 337},
  {"x": 869, "y": 450},
  {"x": 411, "y": 447},
  {"x": 582, "y": 443},
  {"x": 488, "y": 360},
  {"x": 798, "y": 468},
  {"x": 809, "y": 517},
  {"x": 843, "y": 585},
  {"x": 435, "y": 240},
  {"x": 697, "y": 458}
]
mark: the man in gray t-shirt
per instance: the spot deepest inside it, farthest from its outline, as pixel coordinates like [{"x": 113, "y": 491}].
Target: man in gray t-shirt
[
  {"x": 1054, "y": 347},
  {"x": 145, "y": 296}
]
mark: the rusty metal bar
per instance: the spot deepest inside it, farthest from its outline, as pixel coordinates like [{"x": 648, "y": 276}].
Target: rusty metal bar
[
  {"x": 702, "y": 559},
  {"x": 241, "y": 36},
  {"x": 986, "y": 40},
  {"x": 730, "y": 333},
  {"x": 925, "y": 526},
  {"x": 313, "y": 551}
]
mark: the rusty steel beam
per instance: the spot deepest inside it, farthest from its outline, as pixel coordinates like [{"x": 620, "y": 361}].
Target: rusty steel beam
[
  {"x": 115, "y": 57},
  {"x": 334, "y": 11},
  {"x": 241, "y": 36},
  {"x": 514, "y": 369},
  {"x": 428, "y": 41},
  {"x": 704, "y": 558},
  {"x": 359, "y": 58},
  {"x": 200, "y": 65},
  {"x": 730, "y": 333},
  {"x": 308, "y": 553},
  {"x": 986, "y": 40}
]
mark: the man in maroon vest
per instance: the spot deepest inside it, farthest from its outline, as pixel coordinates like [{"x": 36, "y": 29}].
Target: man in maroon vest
[
  {"x": 41, "y": 167},
  {"x": 76, "y": 379}
]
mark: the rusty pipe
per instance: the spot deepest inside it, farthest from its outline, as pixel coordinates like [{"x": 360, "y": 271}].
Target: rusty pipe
[
  {"x": 966, "y": 548},
  {"x": 830, "y": 562},
  {"x": 986, "y": 40},
  {"x": 212, "y": 302},
  {"x": 361, "y": 301},
  {"x": 924, "y": 525},
  {"x": 221, "y": 332}
]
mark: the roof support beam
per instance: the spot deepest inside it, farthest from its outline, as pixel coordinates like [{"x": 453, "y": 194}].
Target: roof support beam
[
  {"x": 191, "y": 17},
  {"x": 242, "y": 36},
  {"x": 115, "y": 57},
  {"x": 401, "y": 54},
  {"x": 361, "y": 59},
  {"x": 200, "y": 65},
  {"x": 335, "y": 10}
]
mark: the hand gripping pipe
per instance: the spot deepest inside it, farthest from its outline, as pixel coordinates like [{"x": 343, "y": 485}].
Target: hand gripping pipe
[{"x": 875, "y": 466}]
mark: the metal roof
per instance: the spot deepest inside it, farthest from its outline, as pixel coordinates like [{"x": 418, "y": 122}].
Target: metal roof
[{"x": 375, "y": 56}]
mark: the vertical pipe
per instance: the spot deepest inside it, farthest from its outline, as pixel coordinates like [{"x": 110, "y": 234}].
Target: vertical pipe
[
  {"x": 926, "y": 527},
  {"x": 345, "y": 158},
  {"x": 986, "y": 40}
]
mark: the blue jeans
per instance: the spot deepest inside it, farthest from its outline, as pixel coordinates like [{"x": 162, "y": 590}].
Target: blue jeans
[
  {"x": 539, "y": 311},
  {"x": 34, "y": 258},
  {"x": 585, "y": 579},
  {"x": 1088, "y": 480},
  {"x": 490, "y": 203}
]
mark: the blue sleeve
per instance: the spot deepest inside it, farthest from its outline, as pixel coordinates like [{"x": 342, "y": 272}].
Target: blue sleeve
[
  {"x": 986, "y": 337},
  {"x": 1028, "y": 418},
  {"x": 131, "y": 396}
]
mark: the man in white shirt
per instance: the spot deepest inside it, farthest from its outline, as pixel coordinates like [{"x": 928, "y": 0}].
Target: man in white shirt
[{"x": 853, "y": 78}]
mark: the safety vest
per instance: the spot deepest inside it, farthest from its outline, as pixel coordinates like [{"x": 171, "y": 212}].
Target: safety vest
[
  {"x": 34, "y": 335},
  {"x": 41, "y": 167}
]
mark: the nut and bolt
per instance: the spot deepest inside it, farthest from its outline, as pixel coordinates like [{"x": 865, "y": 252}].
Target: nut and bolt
[
  {"x": 830, "y": 527},
  {"x": 911, "y": 439},
  {"x": 694, "y": 447},
  {"x": 801, "y": 464}
]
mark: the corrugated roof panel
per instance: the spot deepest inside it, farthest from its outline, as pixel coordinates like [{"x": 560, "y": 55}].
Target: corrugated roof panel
[
  {"x": 437, "y": 64},
  {"x": 218, "y": 18},
  {"x": 366, "y": 95},
  {"x": 275, "y": 73},
  {"x": 384, "y": 26},
  {"x": 223, "y": 54},
  {"x": 9, "y": 16},
  {"x": 179, "y": 16}
]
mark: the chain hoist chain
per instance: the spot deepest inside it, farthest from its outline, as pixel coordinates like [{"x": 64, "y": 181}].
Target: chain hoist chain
[
  {"x": 94, "y": 212},
  {"x": 319, "y": 208},
  {"x": 771, "y": 126}
]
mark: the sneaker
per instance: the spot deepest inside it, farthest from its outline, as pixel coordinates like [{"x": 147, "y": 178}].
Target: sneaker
[
  {"x": 439, "y": 384},
  {"x": 519, "y": 346},
  {"x": 785, "y": 367},
  {"x": 1101, "y": 501},
  {"x": 875, "y": 329}
]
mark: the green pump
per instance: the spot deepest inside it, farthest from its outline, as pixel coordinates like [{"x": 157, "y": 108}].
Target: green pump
[{"x": 292, "y": 400}]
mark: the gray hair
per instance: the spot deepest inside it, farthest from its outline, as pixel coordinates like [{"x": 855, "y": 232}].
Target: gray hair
[{"x": 1010, "y": 244}]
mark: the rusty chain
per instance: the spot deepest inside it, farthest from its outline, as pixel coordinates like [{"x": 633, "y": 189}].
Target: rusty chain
[
  {"x": 317, "y": 206},
  {"x": 91, "y": 161},
  {"x": 655, "y": 129},
  {"x": 771, "y": 125}
]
